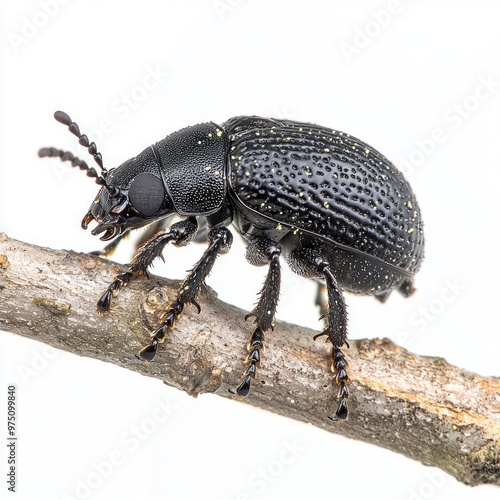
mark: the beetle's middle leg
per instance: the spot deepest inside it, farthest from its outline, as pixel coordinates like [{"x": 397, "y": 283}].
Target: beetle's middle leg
[
  {"x": 220, "y": 239},
  {"x": 320, "y": 299},
  {"x": 110, "y": 248},
  {"x": 310, "y": 263},
  {"x": 260, "y": 252},
  {"x": 181, "y": 233}
]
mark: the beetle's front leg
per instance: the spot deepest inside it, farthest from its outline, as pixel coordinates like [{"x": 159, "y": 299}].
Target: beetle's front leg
[
  {"x": 220, "y": 239},
  {"x": 260, "y": 252},
  {"x": 110, "y": 248},
  {"x": 181, "y": 233}
]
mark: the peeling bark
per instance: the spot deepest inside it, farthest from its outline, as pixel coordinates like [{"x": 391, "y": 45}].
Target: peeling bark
[{"x": 419, "y": 406}]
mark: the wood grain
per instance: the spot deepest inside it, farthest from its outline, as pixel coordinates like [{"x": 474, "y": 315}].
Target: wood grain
[{"x": 419, "y": 406}]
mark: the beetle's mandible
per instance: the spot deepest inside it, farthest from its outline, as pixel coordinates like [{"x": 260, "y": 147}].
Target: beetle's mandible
[{"x": 334, "y": 207}]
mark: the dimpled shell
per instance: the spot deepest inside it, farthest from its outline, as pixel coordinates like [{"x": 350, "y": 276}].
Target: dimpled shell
[{"x": 326, "y": 183}]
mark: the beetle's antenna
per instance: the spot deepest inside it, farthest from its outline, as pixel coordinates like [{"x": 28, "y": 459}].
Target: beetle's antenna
[
  {"x": 64, "y": 118},
  {"x": 68, "y": 156}
]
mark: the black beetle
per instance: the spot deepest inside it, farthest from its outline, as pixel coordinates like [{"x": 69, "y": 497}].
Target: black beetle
[{"x": 338, "y": 210}]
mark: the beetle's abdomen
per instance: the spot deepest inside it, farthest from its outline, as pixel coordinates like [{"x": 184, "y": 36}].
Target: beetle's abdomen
[{"x": 330, "y": 184}]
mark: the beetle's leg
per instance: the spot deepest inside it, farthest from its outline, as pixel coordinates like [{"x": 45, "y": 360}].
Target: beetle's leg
[
  {"x": 110, "y": 248},
  {"x": 260, "y": 252},
  {"x": 202, "y": 234},
  {"x": 181, "y": 233},
  {"x": 406, "y": 288},
  {"x": 151, "y": 231},
  {"x": 320, "y": 299},
  {"x": 220, "y": 239},
  {"x": 382, "y": 297},
  {"x": 311, "y": 264}
]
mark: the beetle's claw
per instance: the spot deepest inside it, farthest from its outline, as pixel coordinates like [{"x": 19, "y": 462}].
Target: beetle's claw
[
  {"x": 149, "y": 352},
  {"x": 196, "y": 305},
  {"x": 250, "y": 315},
  {"x": 255, "y": 346},
  {"x": 244, "y": 388},
  {"x": 339, "y": 369},
  {"x": 104, "y": 303}
]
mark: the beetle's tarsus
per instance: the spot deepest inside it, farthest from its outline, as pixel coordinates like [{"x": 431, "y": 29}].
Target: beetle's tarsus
[
  {"x": 110, "y": 248},
  {"x": 149, "y": 352},
  {"x": 341, "y": 413},
  {"x": 196, "y": 306},
  {"x": 310, "y": 263},
  {"x": 265, "y": 310},
  {"x": 339, "y": 369},
  {"x": 382, "y": 297},
  {"x": 406, "y": 288},
  {"x": 104, "y": 303},
  {"x": 152, "y": 248},
  {"x": 244, "y": 388},
  {"x": 254, "y": 347},
  {"x": 336, "y": 329},
  {"x": 220, "y": 239}
]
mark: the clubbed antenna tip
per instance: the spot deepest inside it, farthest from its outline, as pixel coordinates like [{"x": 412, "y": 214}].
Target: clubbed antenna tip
[
  {"x": 64, "y": 118},
  {"x": 83, "y": 140}
]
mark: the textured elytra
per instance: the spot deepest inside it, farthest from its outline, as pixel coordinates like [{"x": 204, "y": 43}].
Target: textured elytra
[{"x": 328, "y": 183}]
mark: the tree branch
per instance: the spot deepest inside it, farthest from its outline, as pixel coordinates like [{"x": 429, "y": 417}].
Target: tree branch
[{"x": 419, "y": 406}]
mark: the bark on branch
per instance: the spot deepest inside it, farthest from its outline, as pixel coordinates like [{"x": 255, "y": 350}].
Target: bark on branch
[{"x": 419, "y": 406}]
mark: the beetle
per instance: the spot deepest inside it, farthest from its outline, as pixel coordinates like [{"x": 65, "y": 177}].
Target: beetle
[{"x": 335, "y": 208}]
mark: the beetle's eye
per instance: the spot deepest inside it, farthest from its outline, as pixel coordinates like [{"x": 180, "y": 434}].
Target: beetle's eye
[{"x": 146, "y": 194}]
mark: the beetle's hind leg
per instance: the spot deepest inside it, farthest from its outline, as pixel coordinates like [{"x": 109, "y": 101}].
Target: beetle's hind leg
[
  {"x": 260, "y": 252},
  {"x": 383, "y": 296},
  {"x": 320, "y": 299},
  {"x": 181, "y": 233},
  {"x": 310, "y": 263},
  {"x": 406, "y": 288},
  {"x": 220, "y": 239}
]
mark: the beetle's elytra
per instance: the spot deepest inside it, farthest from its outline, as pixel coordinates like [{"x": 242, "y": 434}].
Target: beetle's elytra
[{"x": 334, "y": 207}]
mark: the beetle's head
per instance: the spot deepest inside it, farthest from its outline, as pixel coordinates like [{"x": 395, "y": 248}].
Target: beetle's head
[{"x": 132, "y": 195}]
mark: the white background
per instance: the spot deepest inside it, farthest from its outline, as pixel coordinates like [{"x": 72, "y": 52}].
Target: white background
[{"x": 420, "y": 81}]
